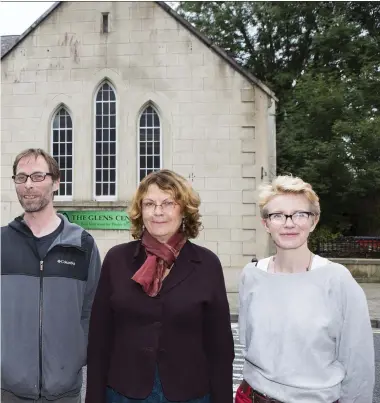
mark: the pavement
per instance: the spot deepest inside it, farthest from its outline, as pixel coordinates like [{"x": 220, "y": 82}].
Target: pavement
[{"x": 371, "y": 290}]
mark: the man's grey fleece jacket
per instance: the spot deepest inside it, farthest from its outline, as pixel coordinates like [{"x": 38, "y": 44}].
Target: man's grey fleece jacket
[{"x": 45, "y": 310}]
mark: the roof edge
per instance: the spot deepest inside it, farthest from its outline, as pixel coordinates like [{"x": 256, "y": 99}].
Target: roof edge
[
  {"x": 250, "y": 77},
  {"x": 32, "y": 27}
]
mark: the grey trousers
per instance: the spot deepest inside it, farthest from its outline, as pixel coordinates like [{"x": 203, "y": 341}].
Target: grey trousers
[{"x": 7, "y": 397}]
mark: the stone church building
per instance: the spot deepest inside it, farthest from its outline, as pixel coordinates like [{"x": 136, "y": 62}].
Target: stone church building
[{"x": 115, "y": 90}]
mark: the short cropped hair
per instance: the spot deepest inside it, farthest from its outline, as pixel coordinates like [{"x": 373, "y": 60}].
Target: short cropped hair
[
  {"x": 287, "y": 184},
  {"x": 182, "y": 193},
  {"x": 38, "y": 152}
]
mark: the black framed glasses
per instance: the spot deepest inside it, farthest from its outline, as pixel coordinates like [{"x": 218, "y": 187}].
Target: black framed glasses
[
  {"x": 298, "y": 218},
  {"x": 35, "y": 177}
]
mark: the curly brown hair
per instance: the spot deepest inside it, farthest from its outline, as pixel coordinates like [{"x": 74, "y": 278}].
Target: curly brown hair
[{"x": 181, "y": 191}]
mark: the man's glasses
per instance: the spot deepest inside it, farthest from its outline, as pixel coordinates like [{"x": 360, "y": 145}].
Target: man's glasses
[
  {"x": 35, "y": 177},
  {"x": 298, "y": 218}
]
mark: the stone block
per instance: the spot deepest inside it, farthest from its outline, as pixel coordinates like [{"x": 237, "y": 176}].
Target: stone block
[
  {"x": 141, "y": 13},
  {"x": 216, "y": 208},
  {"x": 33, "y": 76},
  {"x": 249, "y": 248},
  {"x": 49, "y": 40},
  {"x": 247, "y": 95},
  {"x": 218, "y": 183},
  {"x": 221, "y": 133},
  {"x": 233, "y": 221},
  {"x": 248, "y": 145},
  {"x": 184, "y": 132},
  {"x": 239, "y": 261},
  {"x": 211, "y": 245},
  {"x": 208, "y": 196},
  {"x": 23, "y": 88},
  {"x": 141, "y": 36},
  {"x": 229, "y": 248},
  {"x": 242, "y": 183},
  {"x": 249, "y": 196},
  {"x": 245, "y": 209},
  {"x": 205, "y": 145},
  {"x": 230, "y": 196},
  {"x": 249, "y": 222},
  {"x": 59, "y": 75},
  {"x": 225, "y": 260},
  {"x": 158, "y": 50},
  {"x": 178, "y": 72},
  {"x": 243, "y": 235},
  {"x": 188, "y": 158},
  {"x": 178, "y": 84},
  {"x": 204, "y": 96},
  {"x": 217, "y": 235},
  {"x": 210, "y": 221},
  {"x": 248, "y": 171},
  {"x": 180, "y": 47},
  {"x": 182, "y": 146},
  {"x": 192, "y": 60}
]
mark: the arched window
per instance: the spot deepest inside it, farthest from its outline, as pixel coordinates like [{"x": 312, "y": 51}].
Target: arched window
[
  {"x": 105, "y": 143},
  {"x": 149, "y": 147},
  {"x": 62, "y": 151}
]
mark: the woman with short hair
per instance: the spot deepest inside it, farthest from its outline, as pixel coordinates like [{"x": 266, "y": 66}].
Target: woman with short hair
[
  {"x": 160, "y": 327},
  {"x": 303, "y": 319}
]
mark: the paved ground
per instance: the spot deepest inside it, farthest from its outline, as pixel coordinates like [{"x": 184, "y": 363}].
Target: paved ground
[{"x": 238, "y": 363}]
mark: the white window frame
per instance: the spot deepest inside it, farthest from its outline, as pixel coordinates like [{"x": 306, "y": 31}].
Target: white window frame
[
  {"x": 138, "y": 138},
  {"x": 107, "y": 197},
  {"x": 56, "y": 112}
]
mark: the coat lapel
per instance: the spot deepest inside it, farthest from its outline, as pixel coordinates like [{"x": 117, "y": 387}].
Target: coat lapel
[
  {"x": 139, "y": 257},
  {"x": 186, "y": 262}
]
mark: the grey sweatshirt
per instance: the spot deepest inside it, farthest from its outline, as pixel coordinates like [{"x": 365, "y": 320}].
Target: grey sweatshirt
[{"x": 307, "y": 336}]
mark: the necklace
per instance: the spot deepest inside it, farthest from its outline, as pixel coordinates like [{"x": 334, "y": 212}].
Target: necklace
[{"x": 307, "y": 268}]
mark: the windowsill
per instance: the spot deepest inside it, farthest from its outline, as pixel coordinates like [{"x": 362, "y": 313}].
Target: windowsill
[{"x": 100, "y": 205}]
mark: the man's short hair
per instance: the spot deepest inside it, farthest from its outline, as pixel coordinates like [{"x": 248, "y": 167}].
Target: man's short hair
[{"x": 39, "y": 152}]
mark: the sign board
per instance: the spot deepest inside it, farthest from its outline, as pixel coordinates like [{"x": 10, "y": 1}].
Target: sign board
[{"x": 104, "y": 219}]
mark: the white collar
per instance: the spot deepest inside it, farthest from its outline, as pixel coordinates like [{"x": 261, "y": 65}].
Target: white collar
[{"x": 318, "y": 261}]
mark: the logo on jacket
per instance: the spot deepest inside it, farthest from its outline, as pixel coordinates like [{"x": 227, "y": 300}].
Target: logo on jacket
[{"x": 66, "y": 262}]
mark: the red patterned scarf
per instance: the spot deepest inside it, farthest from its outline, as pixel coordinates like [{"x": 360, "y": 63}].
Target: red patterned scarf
[{"x": 161, "y": 256}]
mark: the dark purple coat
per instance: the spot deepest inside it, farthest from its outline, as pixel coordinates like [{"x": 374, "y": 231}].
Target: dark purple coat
[{"x": 185, "y": 329}]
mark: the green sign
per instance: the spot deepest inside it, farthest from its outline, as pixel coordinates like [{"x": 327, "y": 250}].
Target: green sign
[{"x": 117, "y": 220}]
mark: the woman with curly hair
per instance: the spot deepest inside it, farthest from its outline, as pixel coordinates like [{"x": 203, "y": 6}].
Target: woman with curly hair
[{"x": 160, "y": 326}]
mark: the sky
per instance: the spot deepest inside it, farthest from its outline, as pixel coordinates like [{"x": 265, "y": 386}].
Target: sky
[{"x": 16, "y": 17}]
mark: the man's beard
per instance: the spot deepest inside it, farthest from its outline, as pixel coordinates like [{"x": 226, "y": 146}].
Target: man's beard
[{"x": 34, "y": 205}]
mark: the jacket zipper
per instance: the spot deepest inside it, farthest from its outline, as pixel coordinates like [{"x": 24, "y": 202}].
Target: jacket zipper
[{"x": 40, "y": 335}]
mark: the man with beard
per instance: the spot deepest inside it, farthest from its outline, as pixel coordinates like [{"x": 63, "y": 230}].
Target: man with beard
[{"x": 50, "y": 270}]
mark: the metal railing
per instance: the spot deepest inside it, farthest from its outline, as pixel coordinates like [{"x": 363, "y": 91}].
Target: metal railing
[{"x": 350, "y": 247}]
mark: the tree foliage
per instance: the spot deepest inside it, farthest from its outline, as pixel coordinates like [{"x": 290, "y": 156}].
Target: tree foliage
[{"x": 322, "y": 59}]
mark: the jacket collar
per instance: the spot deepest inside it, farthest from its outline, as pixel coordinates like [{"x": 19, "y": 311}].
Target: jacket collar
[
  {"x": 187, "y": 261},
  {"x": 71, "y": 234}
]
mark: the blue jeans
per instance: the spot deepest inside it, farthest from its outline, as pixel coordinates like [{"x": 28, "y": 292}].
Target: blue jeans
[{"x": 156, "y": 396}]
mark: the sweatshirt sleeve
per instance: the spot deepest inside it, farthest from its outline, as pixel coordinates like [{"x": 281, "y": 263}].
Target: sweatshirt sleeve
[
  {"x": 99, "y": 338},
  {"x": 356, "y": 346},
  {"x": 243, "y": 310}
]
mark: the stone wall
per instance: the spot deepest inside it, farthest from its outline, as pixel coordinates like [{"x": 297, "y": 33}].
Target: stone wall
[{"x": 364, "y": 270}]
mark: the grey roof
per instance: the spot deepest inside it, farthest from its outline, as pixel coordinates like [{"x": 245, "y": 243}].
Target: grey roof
[
  {"x": 7, "y": 41},
  {"x": 232, "y": 62}
]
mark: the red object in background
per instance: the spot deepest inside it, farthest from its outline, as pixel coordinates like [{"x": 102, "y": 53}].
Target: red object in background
[{"x": 244, "y": 396}]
